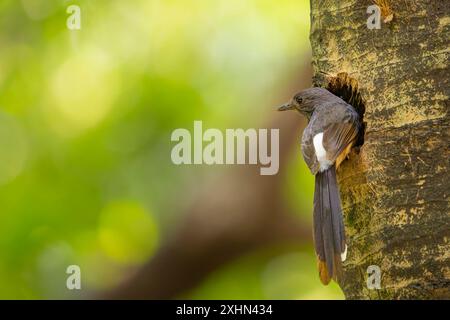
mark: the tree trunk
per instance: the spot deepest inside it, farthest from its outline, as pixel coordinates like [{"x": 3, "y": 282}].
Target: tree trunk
[{"x": 394, "y": 188}]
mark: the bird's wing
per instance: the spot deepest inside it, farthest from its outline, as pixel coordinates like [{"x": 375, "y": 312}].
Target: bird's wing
[
  {"x": 340, "y": 134},
  {"x": 308, "y": 151}
]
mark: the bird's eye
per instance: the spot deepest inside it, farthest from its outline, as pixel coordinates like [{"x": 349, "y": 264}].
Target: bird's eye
[{"x": 298, "y": 99}]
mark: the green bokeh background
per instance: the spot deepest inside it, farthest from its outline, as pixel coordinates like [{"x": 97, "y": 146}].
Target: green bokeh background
[{"x": 85, "y": 124}]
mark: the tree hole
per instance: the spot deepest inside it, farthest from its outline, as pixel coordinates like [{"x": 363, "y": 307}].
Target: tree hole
[{"x": 346, "y": 88}]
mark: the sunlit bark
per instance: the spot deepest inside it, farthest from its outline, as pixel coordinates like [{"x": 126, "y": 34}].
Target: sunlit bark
[{"x": 395, "y": 188}]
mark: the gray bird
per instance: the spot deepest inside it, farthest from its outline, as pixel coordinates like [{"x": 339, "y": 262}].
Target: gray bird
[{"x": 327, "y": 140}]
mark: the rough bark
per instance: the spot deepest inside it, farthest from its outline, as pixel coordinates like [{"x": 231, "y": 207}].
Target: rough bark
[{"x": 394, "y": 188}]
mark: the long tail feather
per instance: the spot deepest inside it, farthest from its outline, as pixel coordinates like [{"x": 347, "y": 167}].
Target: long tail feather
[{"x": 329, "y": 233}]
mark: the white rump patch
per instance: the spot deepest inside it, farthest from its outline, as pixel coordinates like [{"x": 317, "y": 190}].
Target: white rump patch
[
  {"x": 321, "y": 153},
  {"x": 344, "y": 254}
]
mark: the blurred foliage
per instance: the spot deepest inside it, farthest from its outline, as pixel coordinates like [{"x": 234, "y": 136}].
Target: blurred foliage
[
  {"x": 85, "y": 123},
  {"x": 277, "y": 273}
]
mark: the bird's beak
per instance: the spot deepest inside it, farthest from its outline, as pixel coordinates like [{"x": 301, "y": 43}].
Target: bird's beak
[{"x": 286, "y": 106}]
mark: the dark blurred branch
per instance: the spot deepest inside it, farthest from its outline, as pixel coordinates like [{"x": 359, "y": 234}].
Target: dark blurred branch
[{"x": 234, "y": 215}]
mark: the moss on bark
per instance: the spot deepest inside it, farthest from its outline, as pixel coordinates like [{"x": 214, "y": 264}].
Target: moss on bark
[{"x": 394, "y": 188}]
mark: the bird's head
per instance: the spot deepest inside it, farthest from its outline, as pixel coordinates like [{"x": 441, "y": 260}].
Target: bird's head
[{"x": 306, "y": 101}]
